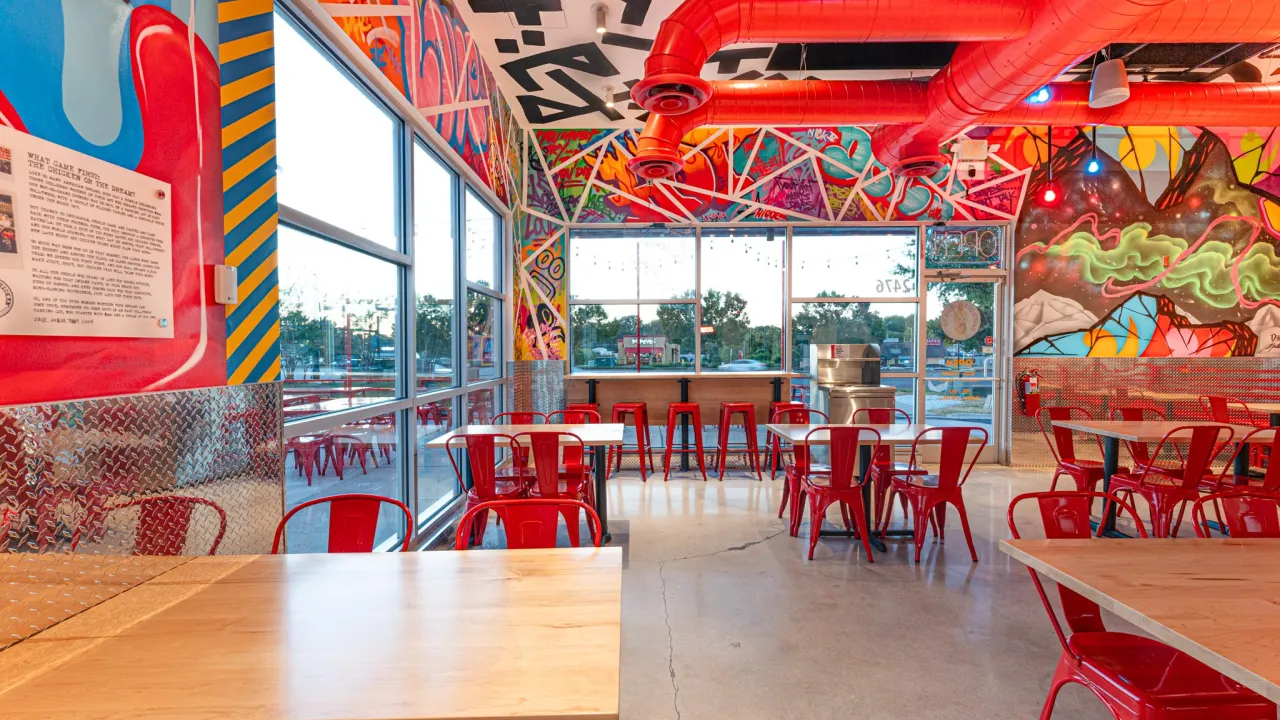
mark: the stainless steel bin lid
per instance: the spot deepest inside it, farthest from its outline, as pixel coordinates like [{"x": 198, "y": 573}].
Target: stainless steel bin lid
[{"x": 860, "y": 390}]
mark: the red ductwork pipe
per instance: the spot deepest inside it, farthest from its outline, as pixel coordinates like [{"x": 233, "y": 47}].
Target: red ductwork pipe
[
  {"x": 1215, "y": 104},
  {"x": 699, "y": 28},
  {"x": 778, "y": 102},
  {"x": 1207, "y": 21},
  {"x": 988, "y": 77}
]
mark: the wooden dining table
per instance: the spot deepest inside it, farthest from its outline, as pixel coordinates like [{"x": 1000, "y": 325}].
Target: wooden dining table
[
  {"x": 530, "y": 634},
  {"x": 895, "y": 436},
  {"x": 1213, "y": 599},
  {"x": 600, "y": 436},
  {"x": 1113, "y": 431}
]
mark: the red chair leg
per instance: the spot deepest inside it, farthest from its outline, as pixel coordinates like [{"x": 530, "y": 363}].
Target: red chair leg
[
  {"x": 786, "y": 492},
  {"x": 1054, "y": 484},
  {"x": 940, "y": 520},
  {"x": 797, "y": 509},
  {"x": 964, "y": 524},
  {"x": 860, "y": 519},
  {"x": 697, "y": 441},
  {"x": 722, "y": 439},
  {"x": 642, "y": 444},
  {"x": 753, "y": 447},
  {"x": 1064, "y": 674},
  {"x": 844, "y": 515},
  {"x": 671, "y": 437},
  {"x": 817, "y": 509}
]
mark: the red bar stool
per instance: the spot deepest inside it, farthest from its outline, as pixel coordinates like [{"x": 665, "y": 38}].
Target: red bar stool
[
  {"x": 674, "y": 412},
  {"x": 773, "y": 444},
  {"x": 748, "y": 412},
  {"x": 639, "y": 413}
]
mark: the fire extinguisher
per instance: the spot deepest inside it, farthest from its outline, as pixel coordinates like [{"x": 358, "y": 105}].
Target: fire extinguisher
[{"x": 1029, "y": 392}]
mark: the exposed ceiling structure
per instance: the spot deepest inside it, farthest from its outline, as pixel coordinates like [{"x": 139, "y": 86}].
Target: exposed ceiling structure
[{"x": 556, "y": 69}]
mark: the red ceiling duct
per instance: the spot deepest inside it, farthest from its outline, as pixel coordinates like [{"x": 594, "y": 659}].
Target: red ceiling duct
[
  {"x": 778, "y": 102},
  {"x": 1237, "y": 21},
  {"x": 1217, "y": 104},
  {"x": 988, "y": 77},
  {"x": 699, "y": 28}
]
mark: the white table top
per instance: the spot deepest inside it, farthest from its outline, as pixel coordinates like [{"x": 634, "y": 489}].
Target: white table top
[
  {"x": 594, "y": 434},
  {"x": 691, "y": 375},
  {"x": 903, "y": 434},
  {"x": 1150, "y": 431},
  {"x": 1212, "y": 599}
]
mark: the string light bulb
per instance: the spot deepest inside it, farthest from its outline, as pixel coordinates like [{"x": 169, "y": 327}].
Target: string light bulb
[{"x": 1093, "y": 167}]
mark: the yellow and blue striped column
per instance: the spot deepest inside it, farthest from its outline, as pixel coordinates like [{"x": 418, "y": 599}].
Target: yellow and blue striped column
[{"x": 246, "y": 53}]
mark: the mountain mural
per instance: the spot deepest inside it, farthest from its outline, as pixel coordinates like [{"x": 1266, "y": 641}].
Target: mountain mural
[{"x": 1194, "y": 273}]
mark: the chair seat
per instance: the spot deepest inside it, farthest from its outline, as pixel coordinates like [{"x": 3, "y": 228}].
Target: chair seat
[
  {"x": 824, "y": 481},
  {"x": 1173, "y": 678},
  {"x": 504, "y": 489},
  {"x": 898, "y": 468},
  {"x": 1229, "y": 482},
  {"x": 927, "y": 481},
  {"x": 565, "y": 490},
  {"x": 1153, "y": 479}
]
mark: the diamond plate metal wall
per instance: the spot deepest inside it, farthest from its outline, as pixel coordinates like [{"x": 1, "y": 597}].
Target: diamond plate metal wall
[
  {"x": 536, "y": 385},
  {"x": 86, "y": 484},
  {"x": 1170, "y": 385}
]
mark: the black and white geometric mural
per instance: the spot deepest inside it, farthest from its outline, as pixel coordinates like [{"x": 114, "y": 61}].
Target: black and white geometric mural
[{"x": 555, "y": 69}]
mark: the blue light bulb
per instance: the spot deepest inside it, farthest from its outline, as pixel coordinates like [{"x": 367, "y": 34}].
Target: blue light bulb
[
  {"x": 1094, "y": 167},
  {"x": 1040, "y": 96}
]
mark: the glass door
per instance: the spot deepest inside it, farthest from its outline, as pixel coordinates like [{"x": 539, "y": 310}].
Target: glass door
[{"x": 963, "y": 350}]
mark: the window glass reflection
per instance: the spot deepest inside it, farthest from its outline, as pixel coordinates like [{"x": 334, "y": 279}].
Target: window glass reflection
[
  {"x": 742, "y": 300},
  {"x": 433, "y": 238}
]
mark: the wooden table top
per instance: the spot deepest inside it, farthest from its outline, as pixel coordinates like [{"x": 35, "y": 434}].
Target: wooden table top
[
  {"x": 1265, "y": 407},
  {"x": 903, "y": 434},
  {"x": 478, "y": 634},
  {"x": 1215, "y": 600},
  {"x": 594, "y": 434},
  {"x": 1145, "y": 431}
]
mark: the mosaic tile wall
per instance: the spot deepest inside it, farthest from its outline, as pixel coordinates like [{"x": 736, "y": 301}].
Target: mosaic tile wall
[{"x": 88, "y": 488}]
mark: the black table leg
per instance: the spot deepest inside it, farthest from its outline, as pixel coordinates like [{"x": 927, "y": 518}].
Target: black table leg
[
  {"x": 591, "y": 391},
  {"x": 602, "y": 498},
  {"x": 1242, "y": 461},
  {"x": 864, "y": 465},
  {"x": 684, "y": 426},
  {"x": 777, "y": 389},
  {"x": 1275, "y": 419},
  {"x": 1110, "y": 461}
]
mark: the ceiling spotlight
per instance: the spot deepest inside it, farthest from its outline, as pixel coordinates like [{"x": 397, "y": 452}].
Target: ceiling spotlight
[
  {"x": 1110, "y": 85},
  {"x": 608, "y": 96},
  {"x": 1039, "y": 97},
  {"x": 601, "y": 12}
]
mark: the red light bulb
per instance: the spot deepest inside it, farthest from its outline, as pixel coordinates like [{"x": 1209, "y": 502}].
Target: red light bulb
[{"x": 1050, "y": 195}]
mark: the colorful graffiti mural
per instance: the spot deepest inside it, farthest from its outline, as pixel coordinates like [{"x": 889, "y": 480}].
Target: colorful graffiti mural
[
  {"x": 1168, "y": 252},
  {"x": 427, "y": 52},
  {"x": 136, "y": 86}
]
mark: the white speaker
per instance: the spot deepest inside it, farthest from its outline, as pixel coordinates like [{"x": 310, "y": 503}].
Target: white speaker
[{"x": 1110, "y": 85}]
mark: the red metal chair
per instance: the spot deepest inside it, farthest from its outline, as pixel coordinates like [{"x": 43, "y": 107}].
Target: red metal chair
[
  {"x": 883, "y": 462},
  {"x": 773, "y": 444},
  {"x": 1141, "y": 451},
  {"x": 1219, "y": 408},
  {"x": 164, "y": 522},
  {"x": 800, "y": 459},
  {"x": 528, "y": 523},
  {"x": 581, "y": 414},
  {"x": 1086, "y": 473},
  {"x": 520, "y": 417},
  {"x": 930, "y": 494},
  {"x": 487, "y": 484},
  {"x": 346, "y": 448},
  {"x": 639, "y": 413},
  {"x": 353, "y": 522},
  {"x": 558, "y": 470},
  {"x": 748, "y": 412},
  {"x": 1135, "y": 677},
  {"x": 1167, "y": 490},
  {"x": 306, "y": 454},
  {"x": 674, "y": 412},
  {"x": 1270, "y": 480},
  {"x": 839, "y": 483},
  {"x": 1244, "y": 512}
]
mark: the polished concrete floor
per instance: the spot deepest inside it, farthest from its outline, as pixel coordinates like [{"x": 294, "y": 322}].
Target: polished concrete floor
[{"x": 724, "y": 618}]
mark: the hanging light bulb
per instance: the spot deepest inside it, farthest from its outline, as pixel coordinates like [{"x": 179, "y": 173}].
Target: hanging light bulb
[
  {"x": 1050, "y": 192},
  {"x": 1093, "y": 167},
  {"x": 608, "y": 96}
]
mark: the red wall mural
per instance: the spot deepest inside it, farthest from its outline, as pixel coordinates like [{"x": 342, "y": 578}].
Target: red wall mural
[{"x": 140, "y": 94}]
